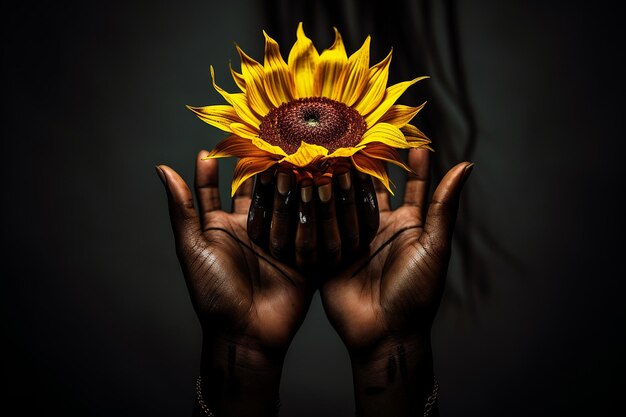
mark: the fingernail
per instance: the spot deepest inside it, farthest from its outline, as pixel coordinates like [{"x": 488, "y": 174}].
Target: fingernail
[
  {"x": 345, "y": 182},
  {"x": 467, "y": 171},
  {"x": 161, "y": 174},
  {"x": 283, "y": 182},
  {"x": 325, "y": 192},
  {"x": 306, "y": 193},
  {"x": 266, "y": 176}
]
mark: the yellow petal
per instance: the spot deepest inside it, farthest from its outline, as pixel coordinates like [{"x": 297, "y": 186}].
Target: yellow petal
[
  {"x": 239, "y": 80},
  {"x": 220, "y": 116},
  {"x": 391, "y": 95},
  {"x": 410, "y": 130},
  {"x": 373, "y": 167},
  {"x": 331, "y": 69},
  {"x": 254, "y": 75},
  {"x": 417, "y": 143},
  {"x": 399, "y": 115},
  {"x": 278, "y": 81},
  {"x": 305, "y": 155},
  {"x": 252, "y": 135},
  {"x": 375, "y": 88},
  {"x": 244, "y": 131},
  {"x": 357, "y": 77},
  {"x": 261, "y": 144},
  {"x": 302, "y": 62},
  {"x": 247, "y": 167},
  {"x": 239, "y": 102},
  {"x": 386, "y": 153},
  {"x": 420, "y": 145},
  {"x": 387, "y": 134},
  {"x": 345, "y": 152},
  {"x": 236, "y": 146}
]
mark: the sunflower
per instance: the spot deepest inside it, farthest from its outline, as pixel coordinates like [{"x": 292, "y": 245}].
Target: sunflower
[{"x": 312, "y": 111}]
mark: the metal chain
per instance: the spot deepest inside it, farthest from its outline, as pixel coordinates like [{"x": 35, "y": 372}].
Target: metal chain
[
  {"x": 428, "y": 407},
  {"x": 201, "y": 402},
  {"x": 432, "y": 398},
  {"x": 205, "y": 408}
]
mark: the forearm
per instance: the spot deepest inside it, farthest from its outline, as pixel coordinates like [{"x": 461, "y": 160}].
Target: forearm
[
  {"x": 394, "y": 379},
  {"x": 238, "y": 380}
]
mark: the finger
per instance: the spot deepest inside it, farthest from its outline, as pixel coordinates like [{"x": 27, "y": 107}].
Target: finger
[
  {"x": 382, "y": 195},
  {"x": 367, "y": 207},
  {"x": 283, "y": 216},
  {"x": 241, "y": 199},
  {"x": 183, "y": 216},
  {"x": 416, "y": 189},
  {"x": 207, "y": 185},
  {"x": 327, "y": 219},
  {"x": 260, "y": 213},
  {"x": 347, "y": 216},
  {"x": 306, "y": 232},
  {"x": 443, "y": 208}
]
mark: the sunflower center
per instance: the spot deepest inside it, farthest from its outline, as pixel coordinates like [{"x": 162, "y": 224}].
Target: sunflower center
[{"x": 315, "y": 120}]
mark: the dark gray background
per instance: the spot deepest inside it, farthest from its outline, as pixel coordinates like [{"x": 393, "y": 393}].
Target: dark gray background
[{"x": 96, "y": 317}]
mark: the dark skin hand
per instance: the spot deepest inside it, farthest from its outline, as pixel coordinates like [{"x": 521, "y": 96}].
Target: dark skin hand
[
  {"x": 382, "y": 301},
  {"x": 318, "y": 224},
  {"x": 384, "y": 305},
  {"x": 249, "y": 304}
]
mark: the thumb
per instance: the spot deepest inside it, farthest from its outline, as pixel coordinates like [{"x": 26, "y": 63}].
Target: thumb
[
  {"x": 443, "y": 209},
  {"x": 183, "y": 215}
]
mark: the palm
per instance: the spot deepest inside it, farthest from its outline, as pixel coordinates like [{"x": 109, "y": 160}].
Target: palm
[
  {"x": 257, "y": 296},
  {"x": 397, "y": 286},
  {"x": 237, "y": 289}
]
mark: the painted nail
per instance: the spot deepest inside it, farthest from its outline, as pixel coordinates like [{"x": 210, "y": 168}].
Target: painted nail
[
  {"x": 325, "y": 192},
  {"x": 306, "y": 193},
  {"x": 283, "y": 182},
  {"x": 266, "y": 176},
  {"x": 161, "y": 174},
  {"x": 466, "y": 172},
  {"x": 344, "y": 180}
]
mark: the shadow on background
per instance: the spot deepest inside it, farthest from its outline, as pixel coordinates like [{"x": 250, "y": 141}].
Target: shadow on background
[{"x": 96, "y": 315}]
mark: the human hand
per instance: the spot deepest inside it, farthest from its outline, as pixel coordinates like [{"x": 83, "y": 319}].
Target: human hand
[
  {"x": 317, "y": 225},
  {"x": 248, "y": 304},
  {"x": 383, "y": 305}
]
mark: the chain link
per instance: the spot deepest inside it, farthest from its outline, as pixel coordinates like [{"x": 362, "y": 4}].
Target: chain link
[
  {"x": 428, "y": 407},
  {"x": 206, "y": 409},
  {"x": 201, "y": 402},
  {"x": 432, "y": 398}
]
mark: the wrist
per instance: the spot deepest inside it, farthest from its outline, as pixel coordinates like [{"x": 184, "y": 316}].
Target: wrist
[
  {"x": 238, "y": 378},
  {"x": 394, "y": 378}
]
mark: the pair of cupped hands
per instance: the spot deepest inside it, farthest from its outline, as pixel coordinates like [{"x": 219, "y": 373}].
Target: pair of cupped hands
[{"x": 252, "y": 272}]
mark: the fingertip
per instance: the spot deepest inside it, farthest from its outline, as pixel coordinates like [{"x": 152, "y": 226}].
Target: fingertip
[
  {"x": 284, "y": 181},
  {"x": 202, "y": 155},
  {"x": 324, "y": 189},
  {"x": 267, "y": 176},
  {"x": 207, "y": 171},
  {"x": 161, "y": 174},
  {"x": 174, "y": 182},
  {"x": 419, "y": 162},
  {"x": 306, "y": 190},
  {"x": 467, "y": 171}
]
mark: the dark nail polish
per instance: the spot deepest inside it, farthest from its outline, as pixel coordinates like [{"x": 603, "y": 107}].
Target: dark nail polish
[
  {"x": 266, "y": 176},
  {"x": 283, "y": 183},
  {"x": 325, "y": 192},
  {"x": 161, "y": 174},
  {"x": 344, "y": 180},
  {"x": 306, "y": 193},
  {"x": 466, "y": 172}
]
